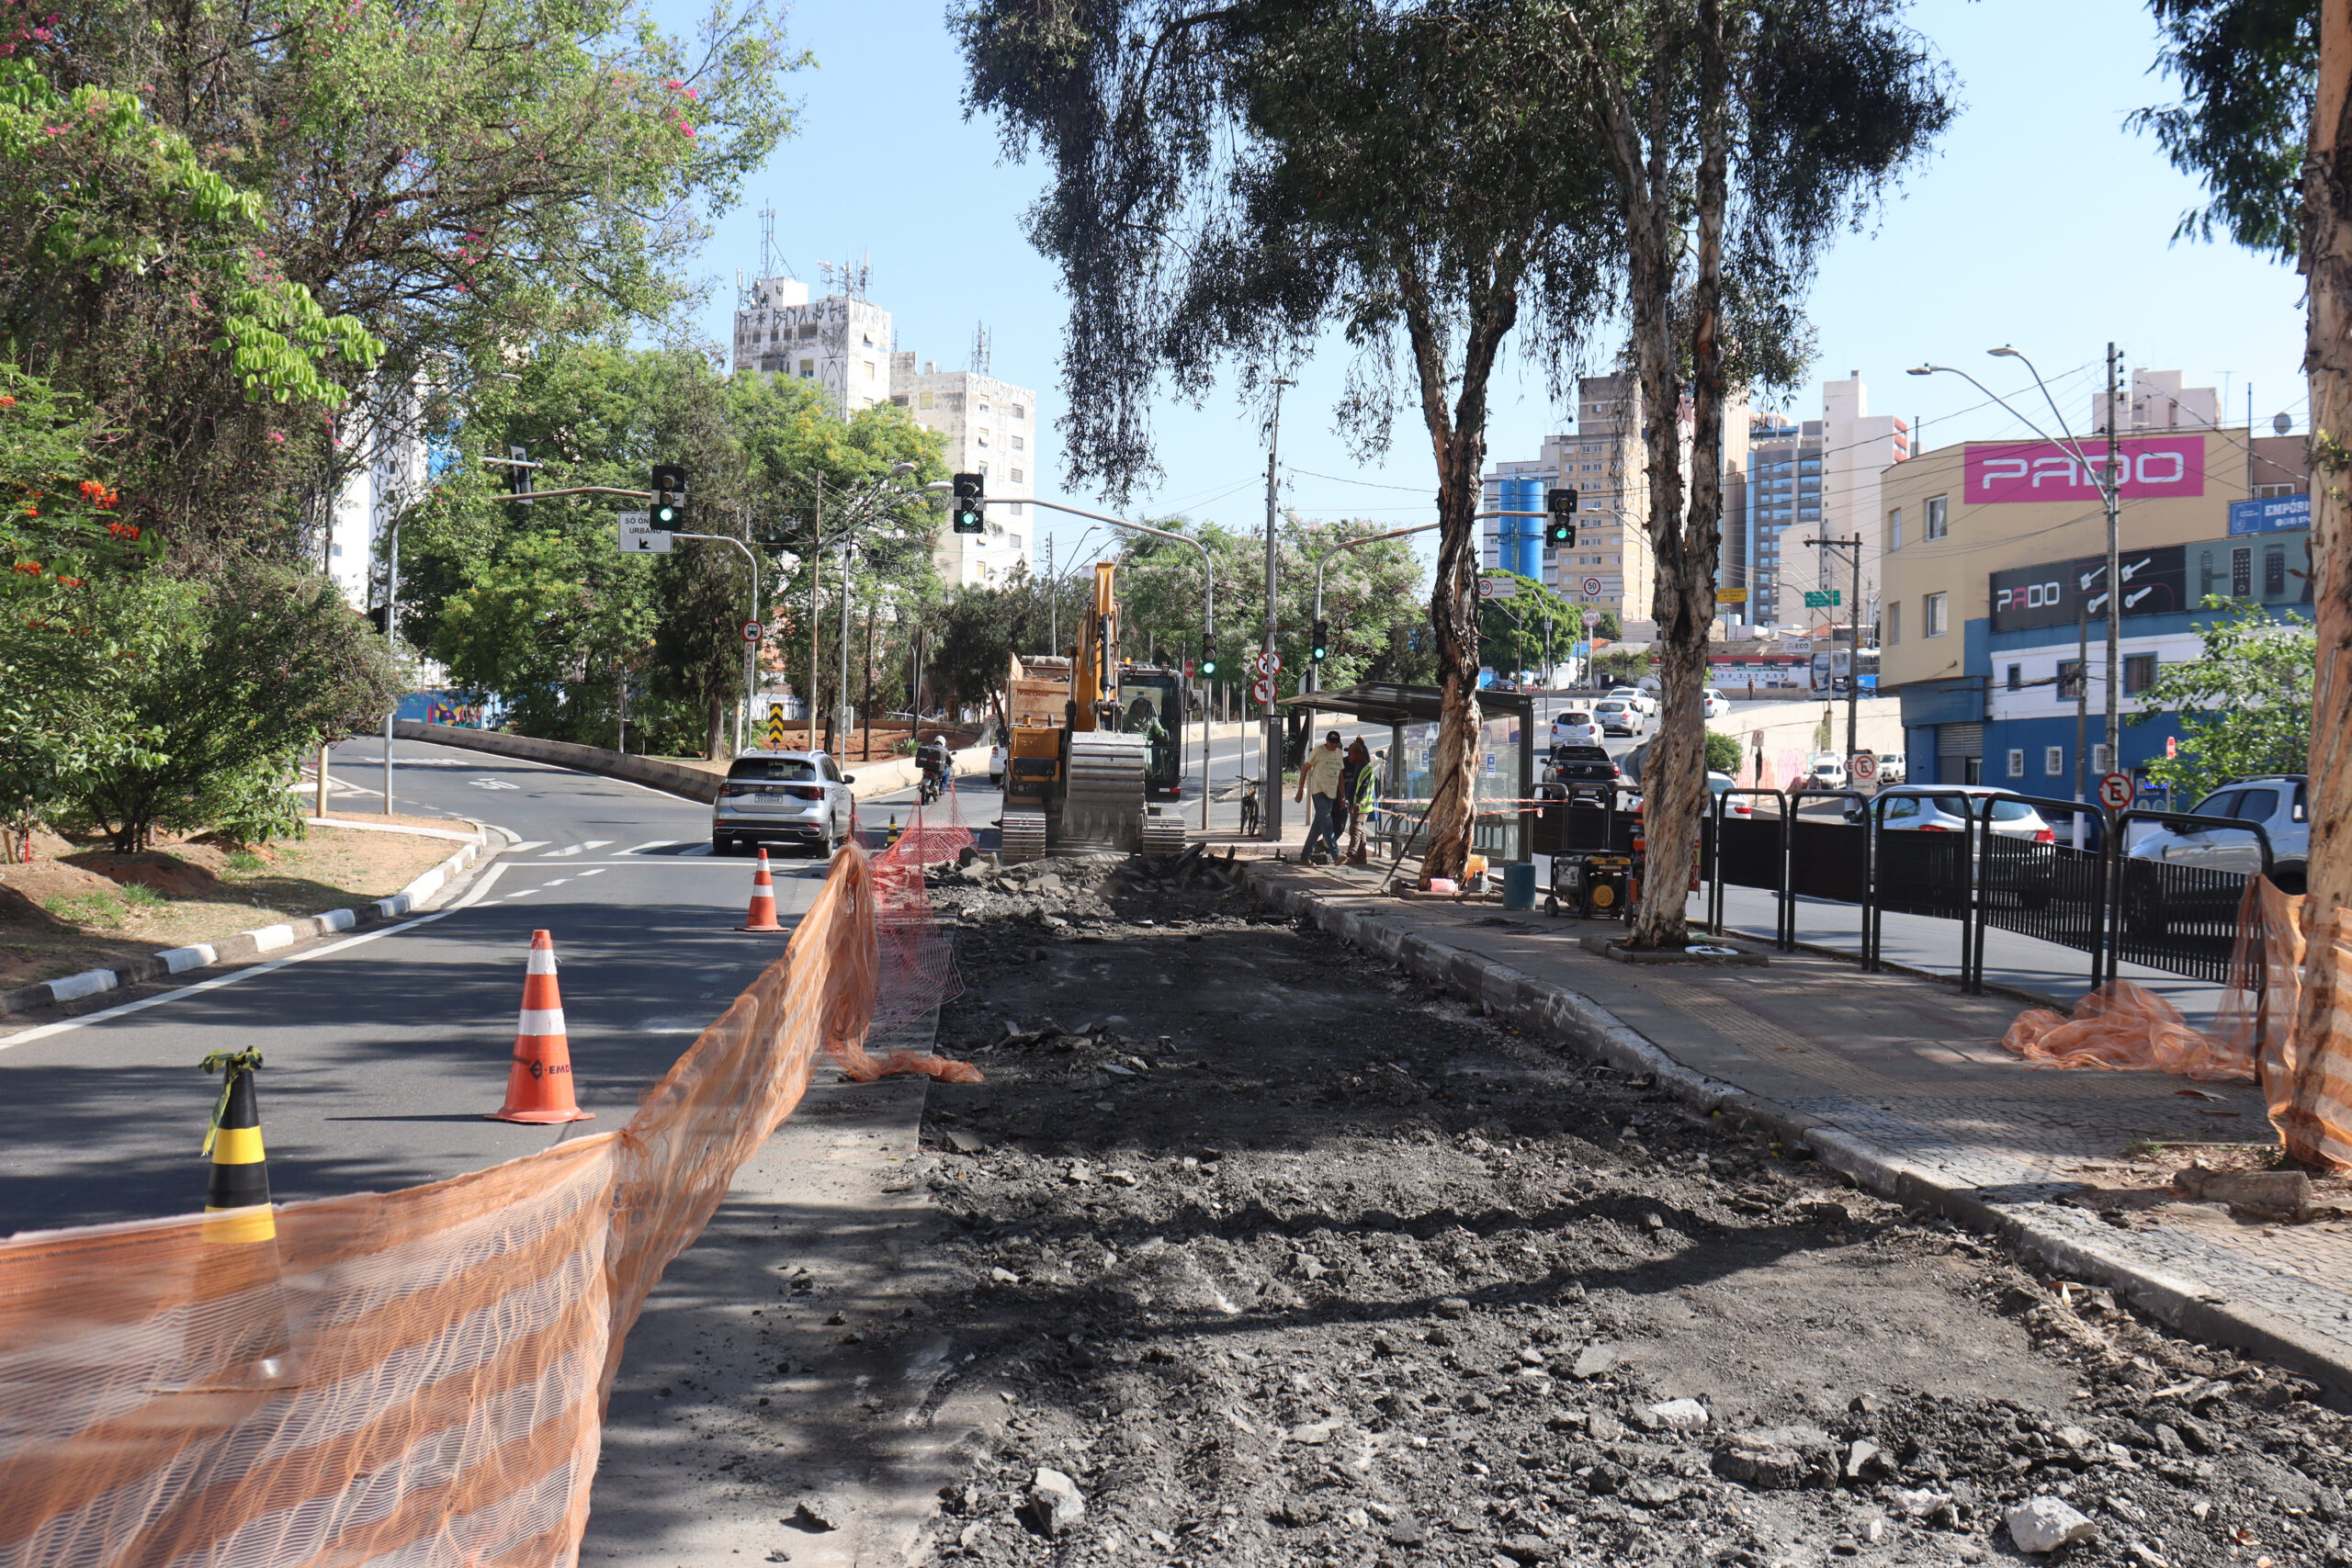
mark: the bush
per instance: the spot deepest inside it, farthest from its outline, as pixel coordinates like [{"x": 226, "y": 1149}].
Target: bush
[{"x": 1722, "y": 754}]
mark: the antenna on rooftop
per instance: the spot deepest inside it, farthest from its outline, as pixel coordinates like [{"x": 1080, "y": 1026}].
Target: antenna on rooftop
[
  {"x": 980, "y": 349},
  {"x": 771, "y": 262}
]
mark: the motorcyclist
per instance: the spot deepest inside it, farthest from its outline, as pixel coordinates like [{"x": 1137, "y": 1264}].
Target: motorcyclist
[{"x": 931, "y": 757}]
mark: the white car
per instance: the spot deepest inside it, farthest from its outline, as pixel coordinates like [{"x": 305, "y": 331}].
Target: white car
[
  {"x": 1945, "y": 808},
  {"x": 1826, "y": 771},
  {"x": 783, "y": 797},
  {"x": 1574, "y": 726},
  {"x": 2279, "y": 803},
  {"x": 1617, "y": 716},
  {"x": 1739, "y": 806},
  {"x": 1892, "y": 769},
  {"x": 1642, "y": 702},
  {"x": 1717, "y": 704},
  {"x": 996, "y": 765}
]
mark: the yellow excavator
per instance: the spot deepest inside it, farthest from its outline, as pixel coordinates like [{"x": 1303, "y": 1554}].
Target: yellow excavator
[{"x": 1082, "y": 736}]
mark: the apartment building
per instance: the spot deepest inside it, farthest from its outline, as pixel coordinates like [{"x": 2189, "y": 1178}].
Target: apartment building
[
  {"x": 991, "y": 428},
  {"x": 1784, "y": 495},
  {"x": 1855, "y": 448},
  {"x": 1612, "y": 567},
  {"x": 841, "y": 342}
]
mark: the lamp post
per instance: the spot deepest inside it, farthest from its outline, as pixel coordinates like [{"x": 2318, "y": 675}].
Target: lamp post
[{"x": 2107, "y": 477}]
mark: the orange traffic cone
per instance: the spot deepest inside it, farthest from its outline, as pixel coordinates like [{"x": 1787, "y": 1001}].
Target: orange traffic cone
[
  {"x": 762, "y": 915},
  {"x": 538, "y": 1085}
]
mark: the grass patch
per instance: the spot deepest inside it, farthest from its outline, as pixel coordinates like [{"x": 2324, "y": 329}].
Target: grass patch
[
  {"x": 136, "y": 896},
  {"x": 243, "y": 860},
  {"x": 104, "y": 909}
]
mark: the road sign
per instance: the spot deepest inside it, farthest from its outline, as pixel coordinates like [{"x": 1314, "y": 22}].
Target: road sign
[
  {"x": 1498, "y": 587},
  {"x": 1582, "y": 650},
  {"x": 1730, "y": 595},
  {"x": 775, "y": 727},
  {"x": 2172, "y": 746},
  {"x": 1863, "y": 766},
  {"x": 1822, "y": 599},
  {"x": 752, "y": 631},
  {"x": 2115, "y": 791},
  {"x": 637, "y": 535},
  {"x": 1591, "y": 587},
  {"x": 1269, "y": 662},
  {"x": 1262, "y": 689}
]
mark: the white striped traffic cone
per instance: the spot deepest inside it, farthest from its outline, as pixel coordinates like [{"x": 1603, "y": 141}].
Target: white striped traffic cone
[
  {"x": 538, "y": 1085},
  {"x": 762, "y": 915}
]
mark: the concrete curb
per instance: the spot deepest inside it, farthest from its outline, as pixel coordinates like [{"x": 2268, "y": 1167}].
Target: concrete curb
[
  {"x": 245, "y": 944},
  {"x": 887, "y": 777},
  {"x": 1556, "y": 1013}
]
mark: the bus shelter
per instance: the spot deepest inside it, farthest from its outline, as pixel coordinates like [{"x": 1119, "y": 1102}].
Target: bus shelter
[{"x": 1505, "y": 772}]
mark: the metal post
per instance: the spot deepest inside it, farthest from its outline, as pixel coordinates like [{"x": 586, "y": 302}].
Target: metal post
[
  {"x": 2111, "y": 495},
  {"x": 816, "y": 570},
  {"x": 840, "y": 726},
  {"x": 1854, "y": 657},
  {"x": 392, "y": 650},
  {"x": 1269, "y": 724}
]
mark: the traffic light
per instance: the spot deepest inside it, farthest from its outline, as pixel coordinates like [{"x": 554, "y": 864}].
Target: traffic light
[
  {"x": 669, "y": 494},
  {"x": 971, "y": 511},
  {"x": 518, "y": 471},
  {"x": 1319, "y": 648},
  {"x": 1560, "y": 528},
  {"x": 1208, "y": 664}
]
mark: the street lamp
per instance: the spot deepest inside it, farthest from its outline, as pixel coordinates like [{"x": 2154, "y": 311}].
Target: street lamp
[{"x": 2108, "y": 479}]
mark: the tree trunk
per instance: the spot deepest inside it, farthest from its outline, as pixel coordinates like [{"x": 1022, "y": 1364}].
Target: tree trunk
[
  {"x": 715, "y": 749},
  {"x": 1674, "y": 782},
  {"x": 2327, "y": 358}
]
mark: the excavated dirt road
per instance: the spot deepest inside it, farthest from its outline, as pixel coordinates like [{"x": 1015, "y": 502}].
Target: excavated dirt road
[{"x": 1281, "y": 1257}]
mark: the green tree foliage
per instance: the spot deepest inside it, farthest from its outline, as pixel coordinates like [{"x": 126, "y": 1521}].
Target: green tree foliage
[
  {"x": 1230, "y": 180},
  {"x": 1723, "y": 754},
  {"x": 533, "y": 601},
  {"x": 2246, "y": 70},
  {"x": 2243, "y": 704},
  {"x": 261, "y": 196},
  {"x": 1514, "y": 634},
  {"x": 219, "y": 686},
  {"x": 1608, "y": 625}
]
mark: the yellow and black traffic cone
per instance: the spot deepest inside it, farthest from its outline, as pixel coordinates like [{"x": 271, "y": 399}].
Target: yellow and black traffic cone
[{"x": 240, "y": 1179}]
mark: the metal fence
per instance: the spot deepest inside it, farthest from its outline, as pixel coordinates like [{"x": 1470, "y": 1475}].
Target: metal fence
[{"x": 2067, "y": 880}]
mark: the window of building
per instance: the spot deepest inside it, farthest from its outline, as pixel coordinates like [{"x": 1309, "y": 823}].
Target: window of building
[
  {"x": 808, "y": 369},
  {"x": 2017, "y": 677},
  {"x": 1894, "y": 529},
  {"x": 808, "y": 329},
  {"x": 2098, "y": 757},
  {"x": 982, "y": 464},
  {"x": 984, "y": 405},
  {"x": 982, "y": 437},
  {"x": 1937, "y": 618},
  {"x": 2070, "y": 680},
  {"x": 1894, "y": 622},
  {"x": 2139, "y": 672},
  {"x": 1019, "y": 478},
  {"x": 928, "y": 399},
  {"x": 1014, "y": 508},
  {"x": 2278, "y": 489},
  {"x": 869, "y": 369},
  {"x": 1019, "y": 445},
  {"x": 1939, "y": 517},
  {"x": 2016, "y": 761},
  {"x": 2053, "y": 762},
  {"x": 1020, "y": 412},
  {"x": 898, "y": 400}
]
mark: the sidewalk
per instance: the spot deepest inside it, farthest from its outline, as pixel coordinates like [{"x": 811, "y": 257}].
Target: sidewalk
[{"x": 1902, "y": 1084}]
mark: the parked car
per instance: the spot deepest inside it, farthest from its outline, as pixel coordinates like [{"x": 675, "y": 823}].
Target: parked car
[
  {"x": 1826, "y": 771},
  {"x": 783, "y": 797},
  {"x": 1574, "y": 726},
  {"x": 1717, "y": 704},
  {"x": 1617, "y": 716},
  {"x": 2277, "y": 803},
  {"x": 1891, "y": 768},
  {"x": 1944, "y": 808},
  {"x": 1738, "y": 806}
]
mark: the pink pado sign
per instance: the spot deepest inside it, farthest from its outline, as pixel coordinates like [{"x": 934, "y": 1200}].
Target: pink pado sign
[{"x": 2153, "y": 467}]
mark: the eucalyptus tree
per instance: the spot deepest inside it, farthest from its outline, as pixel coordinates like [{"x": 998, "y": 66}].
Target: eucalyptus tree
[
  {"x": 1741, "y": 136},
  {"x": 1234, "y": 180}
]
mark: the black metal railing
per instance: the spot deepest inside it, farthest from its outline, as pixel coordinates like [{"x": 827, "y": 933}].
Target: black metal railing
[{"x": 2178, "y": 917}]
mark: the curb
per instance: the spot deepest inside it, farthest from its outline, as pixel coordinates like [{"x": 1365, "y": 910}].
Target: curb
[
  {"x": 244, "y": 944},
  {"x": 1554, "y": 1012}
]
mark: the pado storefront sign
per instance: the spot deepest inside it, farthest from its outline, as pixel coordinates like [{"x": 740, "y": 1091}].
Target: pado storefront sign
[{"x": 2153, "y": 467}]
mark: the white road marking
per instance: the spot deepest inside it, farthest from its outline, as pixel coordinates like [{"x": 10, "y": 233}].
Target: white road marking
[
  {"x": 556, "y": 883},
  {"x": 466, "y": 901},
  {"x": 595, "y": 843},
  {"x": 558, "y": 854},
  {"x": 654, "y": 845},
  {"x": 517, "y": 848}
]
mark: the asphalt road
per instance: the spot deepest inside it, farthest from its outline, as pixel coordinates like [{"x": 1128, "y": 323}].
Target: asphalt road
[{"x": 384, "y": 1050}]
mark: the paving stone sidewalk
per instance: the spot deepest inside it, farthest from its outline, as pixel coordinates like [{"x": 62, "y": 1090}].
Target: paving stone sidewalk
[{"x": 1903, "y": 1083}]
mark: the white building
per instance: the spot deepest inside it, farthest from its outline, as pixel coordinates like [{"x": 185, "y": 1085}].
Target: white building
[
  {"x": 991, "y": 430},
  {"x": 1856, "y": 444},
  {"x": 2157, "y": 400},
  {"x": 841, "y": 342},
  {"x": 390, "y": 473}
]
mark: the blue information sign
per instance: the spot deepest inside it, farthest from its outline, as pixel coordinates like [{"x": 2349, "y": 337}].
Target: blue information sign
[{"x": 2270, "y": 515}]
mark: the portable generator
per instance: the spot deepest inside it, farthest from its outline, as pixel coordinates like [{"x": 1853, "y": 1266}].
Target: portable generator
[{"x": 1596, "y": 886}]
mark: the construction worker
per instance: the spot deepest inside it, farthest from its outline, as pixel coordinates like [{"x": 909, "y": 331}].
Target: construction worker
[{"x": 1318, "y": 775}]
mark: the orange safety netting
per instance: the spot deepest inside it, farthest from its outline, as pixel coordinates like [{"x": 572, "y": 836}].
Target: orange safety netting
[
  {"x": 416, "y": 1376},
  {"x": 916, "y": 961},
  {"x": 2261, "y": 1031}
]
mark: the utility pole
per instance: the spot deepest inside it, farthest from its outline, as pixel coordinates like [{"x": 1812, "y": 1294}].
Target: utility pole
[
  {"x": 816, "y": 570},
  {"x": 1270, "y": 751},
  {"x": 391, "y": 649},
  {"x": 1854, "y": 636},
  {"x": 842, "y": 709},
  {"x": 2112, "y": 494}
]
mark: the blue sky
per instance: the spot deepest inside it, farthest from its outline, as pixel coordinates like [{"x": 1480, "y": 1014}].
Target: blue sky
[{"x": 2038, "y": 220}]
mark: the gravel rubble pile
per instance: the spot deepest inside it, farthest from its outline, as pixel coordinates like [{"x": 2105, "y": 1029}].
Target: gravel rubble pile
[{"x": 1273, "y": 1254}]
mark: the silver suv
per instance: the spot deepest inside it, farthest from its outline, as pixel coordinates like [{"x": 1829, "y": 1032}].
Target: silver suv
[
  {"x": 2277, "y": 803},
  {"x": 783, "y": 797}
]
